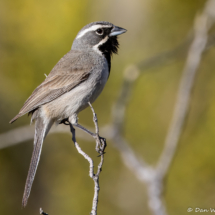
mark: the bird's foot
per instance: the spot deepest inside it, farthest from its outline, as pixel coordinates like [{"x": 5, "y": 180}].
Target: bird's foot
[
  {"x": 65, "y": 121},
  {"x": 100, "y": 141},
  {"x": 100, "y": 144}
]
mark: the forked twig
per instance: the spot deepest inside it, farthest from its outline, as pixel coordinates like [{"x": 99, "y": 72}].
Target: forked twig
[{"x": 94, "y": 176}]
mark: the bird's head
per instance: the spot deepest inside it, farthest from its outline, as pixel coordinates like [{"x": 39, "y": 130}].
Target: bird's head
[{"x": 100, "y": 37}]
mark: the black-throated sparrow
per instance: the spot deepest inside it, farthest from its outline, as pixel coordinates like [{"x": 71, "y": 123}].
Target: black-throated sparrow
[{"x": 78, "y": 78}]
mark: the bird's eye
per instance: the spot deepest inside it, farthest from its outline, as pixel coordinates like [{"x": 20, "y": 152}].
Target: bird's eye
[{"x": 99, "y": 31}]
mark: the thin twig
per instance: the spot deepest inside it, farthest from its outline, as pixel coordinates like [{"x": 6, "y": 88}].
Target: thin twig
[
  {"x": 95, "y": 177},
  {"x": 42, "y": 212},
  {"x": 100, "y": 141}
]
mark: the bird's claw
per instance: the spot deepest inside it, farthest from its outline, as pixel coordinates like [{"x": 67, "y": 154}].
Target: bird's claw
[
  {"x": 65, "y": 122},
  {"x": 100, "y": 145}
]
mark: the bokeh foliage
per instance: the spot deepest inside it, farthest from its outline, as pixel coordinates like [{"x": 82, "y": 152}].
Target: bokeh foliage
[{"x": 34, "y": 36}]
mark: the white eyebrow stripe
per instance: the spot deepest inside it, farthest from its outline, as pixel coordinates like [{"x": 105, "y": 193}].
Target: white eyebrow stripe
[
  {"x": 100, "y": 43},
  {"x": 92, "y": 28}
]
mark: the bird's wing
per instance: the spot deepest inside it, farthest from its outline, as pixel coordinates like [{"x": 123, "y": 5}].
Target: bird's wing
[{"x": 67, "y": 74}]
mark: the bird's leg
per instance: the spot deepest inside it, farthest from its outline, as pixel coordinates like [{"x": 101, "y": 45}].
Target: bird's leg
[
  {"x": 84, "y": 129},
  {"x": 100, "y": 141},
  {"x": 73, "y": 132},
  {"x": 66, "y": 122}
]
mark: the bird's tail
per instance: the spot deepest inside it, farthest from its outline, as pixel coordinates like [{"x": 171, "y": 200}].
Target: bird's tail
[{"x": 41, "y": 130}]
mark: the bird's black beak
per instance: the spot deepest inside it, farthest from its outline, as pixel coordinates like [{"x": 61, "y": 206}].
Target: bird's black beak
[{"x": 117, "y": 31}]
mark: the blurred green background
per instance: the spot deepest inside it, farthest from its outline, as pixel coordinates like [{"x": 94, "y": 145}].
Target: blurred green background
[{"x": 34, "y": 35}]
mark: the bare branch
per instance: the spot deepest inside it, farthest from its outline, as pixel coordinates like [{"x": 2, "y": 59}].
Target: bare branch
[
  {"x": 138, "y": 166},
  {"x": 25, "y": 133},
  {"x": 153, "y": 177},
  {"x": 202, "y": 24},
  {"x": 174, "y": 54},
  {"x": 95, "y": 177}
]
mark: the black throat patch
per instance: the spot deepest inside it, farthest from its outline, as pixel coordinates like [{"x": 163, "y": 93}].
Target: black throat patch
[{"x": 109, "y": 48}]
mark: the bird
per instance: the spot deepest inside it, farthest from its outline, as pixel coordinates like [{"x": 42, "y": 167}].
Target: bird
[{"x": 77, "y": 79}]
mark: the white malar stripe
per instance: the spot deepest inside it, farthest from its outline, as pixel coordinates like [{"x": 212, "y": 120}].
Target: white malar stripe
[
  {"x": 96, "y": 47},
  {"x": 92, "y": 28}
]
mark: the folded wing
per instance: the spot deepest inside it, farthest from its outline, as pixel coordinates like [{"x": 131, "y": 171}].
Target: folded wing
[{"x": 66, "y": 75}]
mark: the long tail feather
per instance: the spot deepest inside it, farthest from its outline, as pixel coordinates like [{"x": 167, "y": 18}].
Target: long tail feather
[
  {"x": 15, "y": 118},
  {"x": 41, "y": 130}
]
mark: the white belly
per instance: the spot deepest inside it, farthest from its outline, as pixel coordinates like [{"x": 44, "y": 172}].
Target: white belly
[{"x": 69, "y": 104}]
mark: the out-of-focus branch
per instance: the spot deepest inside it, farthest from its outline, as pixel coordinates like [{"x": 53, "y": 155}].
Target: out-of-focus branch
[
  {"x": 174, "y": 54},
  {"x": 153, "y": 177},
  {"x": 202, "y": 24},
  {"x": 95, "y": 177},
  {"x": 143, "y": 171},
  {"x": 25, "y": 133},
  {"x": 16, "y": 136}
]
